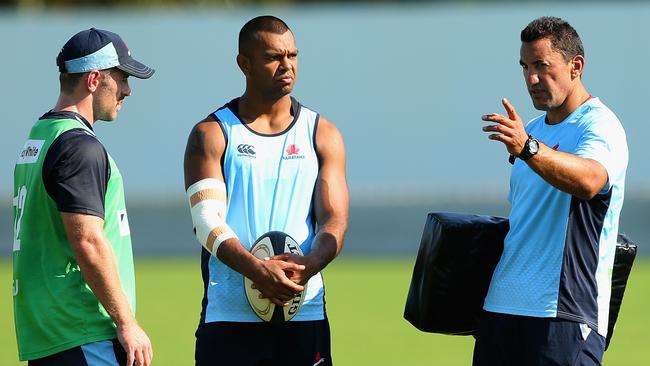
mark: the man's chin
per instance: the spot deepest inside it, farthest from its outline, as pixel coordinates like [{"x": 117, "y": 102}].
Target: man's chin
[
  {"x": 541, "y": 106},
  {"x": 107, "y": 118},
  {"x": 280, "y": 93},
  {"x": 286, "y": 90}
]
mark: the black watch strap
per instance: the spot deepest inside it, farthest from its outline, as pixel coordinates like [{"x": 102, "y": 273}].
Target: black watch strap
[{"x": 530, "y": 148}]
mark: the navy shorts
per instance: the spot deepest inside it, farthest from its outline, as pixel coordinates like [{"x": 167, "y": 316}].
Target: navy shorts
[
  {"x": 299, "y": 343},
  {"x": 102, "y": 353},
  {"x": 505, "y": 340}
]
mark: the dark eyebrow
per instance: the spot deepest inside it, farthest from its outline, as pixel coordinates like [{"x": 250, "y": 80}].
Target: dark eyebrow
[{"x": 275, "y": 53}]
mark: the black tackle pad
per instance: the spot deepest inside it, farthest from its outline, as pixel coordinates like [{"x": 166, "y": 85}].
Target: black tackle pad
[
  {"x": 623, "y": 260},
  {"x": 457, "y": 256}
]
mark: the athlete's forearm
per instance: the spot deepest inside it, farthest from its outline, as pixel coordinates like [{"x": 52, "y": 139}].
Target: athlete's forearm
[
  {"x": 269, "y": 276},
  {"x": 233, "y": 254},
  {"x": 572, "y": 174},
  {"x": 331, "y": 196},
  {"x": 327, "y": 244},
  {"x": 98, "y": 265}
]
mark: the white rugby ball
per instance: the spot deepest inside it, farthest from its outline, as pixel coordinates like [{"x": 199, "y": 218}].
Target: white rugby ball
[{"x": 268, "y": 245}]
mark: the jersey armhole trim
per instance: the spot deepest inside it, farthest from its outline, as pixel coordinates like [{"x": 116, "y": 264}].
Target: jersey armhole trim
[
  {"x": 225, "y": 148},
  {"x": 314, "y": 138}
]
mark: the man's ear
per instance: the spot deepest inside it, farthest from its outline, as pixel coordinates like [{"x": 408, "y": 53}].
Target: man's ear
[
  {"x": 244, "y": 64},
  {"x": 93, "y": 80},
  {"x": 577, "y": 66}
]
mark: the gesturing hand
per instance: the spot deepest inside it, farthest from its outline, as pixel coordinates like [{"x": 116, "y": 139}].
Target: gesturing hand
[{"x": 509, "y": 130}]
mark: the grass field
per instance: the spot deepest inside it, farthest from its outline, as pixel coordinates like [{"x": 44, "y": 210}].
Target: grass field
[{"x": 365, "y": 301}]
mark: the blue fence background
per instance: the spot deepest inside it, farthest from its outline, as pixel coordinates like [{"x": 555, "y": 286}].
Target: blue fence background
[{"x": 406, "y": 84}]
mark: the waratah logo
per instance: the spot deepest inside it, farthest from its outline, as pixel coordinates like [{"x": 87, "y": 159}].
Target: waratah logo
[
  {"x": 292, "y": 152},
  {"x": 245, "y": 149}
]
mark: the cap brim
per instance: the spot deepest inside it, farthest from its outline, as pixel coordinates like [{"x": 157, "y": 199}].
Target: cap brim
[{"x": 137, "y": 69}]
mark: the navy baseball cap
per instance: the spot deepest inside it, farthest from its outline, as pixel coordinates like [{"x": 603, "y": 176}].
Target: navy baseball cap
[{"x": 96, "y": 49}]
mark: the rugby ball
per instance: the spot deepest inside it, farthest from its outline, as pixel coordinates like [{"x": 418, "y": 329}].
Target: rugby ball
[{"x": 268, "y": 245}]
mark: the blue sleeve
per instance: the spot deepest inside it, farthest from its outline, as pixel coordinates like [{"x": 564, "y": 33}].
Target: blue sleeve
[{"x": 604, "y": 141}]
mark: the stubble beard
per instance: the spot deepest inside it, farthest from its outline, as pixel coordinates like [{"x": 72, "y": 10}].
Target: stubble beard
[
  {"x": 276, "y": 94},
  {"x": 107, "y": 114},
  {"x": 545, "y": 104}
]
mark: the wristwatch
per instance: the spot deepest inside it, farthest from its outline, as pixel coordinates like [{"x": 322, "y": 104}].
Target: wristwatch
[{"x": 531, "y": 147}]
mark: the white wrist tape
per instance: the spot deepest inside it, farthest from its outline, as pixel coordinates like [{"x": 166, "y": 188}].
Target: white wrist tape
[{"x": 207, "y": 199}]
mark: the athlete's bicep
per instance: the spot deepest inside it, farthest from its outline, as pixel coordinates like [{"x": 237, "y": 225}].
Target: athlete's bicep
[
  {"x": 204, "y": 151},
  {"x": 331, "y": 195},
  {"x": 84, "y": 232},
  {"x": 204, "y": 183}
]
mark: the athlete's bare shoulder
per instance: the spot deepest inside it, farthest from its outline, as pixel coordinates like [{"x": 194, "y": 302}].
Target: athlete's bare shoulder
[
  {"x": 207, "y": 124},
  {"x": 205, "y": 132},
  {"x": 329, "y": 138},
  {"x": 205, "y": 147}
]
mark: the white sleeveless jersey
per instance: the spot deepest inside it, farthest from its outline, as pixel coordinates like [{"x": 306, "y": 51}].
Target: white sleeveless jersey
[{"x": 270, "y": 182}]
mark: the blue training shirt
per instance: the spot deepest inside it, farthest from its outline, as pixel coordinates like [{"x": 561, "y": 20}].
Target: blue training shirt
[
  {"x": 559, "y": 252},
  {"x": 270, "y": 181}
]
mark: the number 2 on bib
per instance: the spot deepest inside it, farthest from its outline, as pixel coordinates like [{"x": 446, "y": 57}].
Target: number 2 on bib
[{"x": 19, "y": 204}]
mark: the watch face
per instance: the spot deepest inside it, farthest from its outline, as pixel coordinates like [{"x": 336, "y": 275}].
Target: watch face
[{"x": 533, "y": 146}]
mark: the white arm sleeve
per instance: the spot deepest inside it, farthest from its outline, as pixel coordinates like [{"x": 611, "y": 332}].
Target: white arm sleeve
[{"x": 207, "y": 200}]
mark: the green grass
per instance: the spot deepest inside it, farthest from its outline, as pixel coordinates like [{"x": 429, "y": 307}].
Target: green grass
[{"x": 365, "y": 299}]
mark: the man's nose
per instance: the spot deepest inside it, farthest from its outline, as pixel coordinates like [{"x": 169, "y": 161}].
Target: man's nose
[
  {"x": 127, "y": 89},
  {"x": 284, "y": 62},
  {"x": 532, "y": 78}
]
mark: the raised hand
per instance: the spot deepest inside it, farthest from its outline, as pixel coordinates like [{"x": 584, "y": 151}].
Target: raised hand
[{"x": 508, "y": 130}]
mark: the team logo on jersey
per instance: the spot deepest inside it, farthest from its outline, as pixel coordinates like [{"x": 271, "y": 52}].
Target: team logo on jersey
[
  {"x": 292, "y": 152},
  {"x": 293, "y": 149},
  {"x": 246, "y": 150},
  {"x": 30, "y": 152}
]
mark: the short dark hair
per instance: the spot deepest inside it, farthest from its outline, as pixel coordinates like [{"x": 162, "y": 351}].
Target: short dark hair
[
  {"x": 68, "y": 82},
  {"x": 264, "y": 23},
  {"x": 564, "y": 38}
]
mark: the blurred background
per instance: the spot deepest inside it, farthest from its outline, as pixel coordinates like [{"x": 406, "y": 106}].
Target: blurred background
[{"x": 405, "y": 82}]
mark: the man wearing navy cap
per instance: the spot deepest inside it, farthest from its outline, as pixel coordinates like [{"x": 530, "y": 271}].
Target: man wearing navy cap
[{"x": 73, "y": 282}]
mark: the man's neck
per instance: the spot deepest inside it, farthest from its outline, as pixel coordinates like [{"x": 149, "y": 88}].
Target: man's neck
[
  {"x": 571, "y": 103},
  {"x": 80, "y": 105},
  {"x": 265, "y": 116}
]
